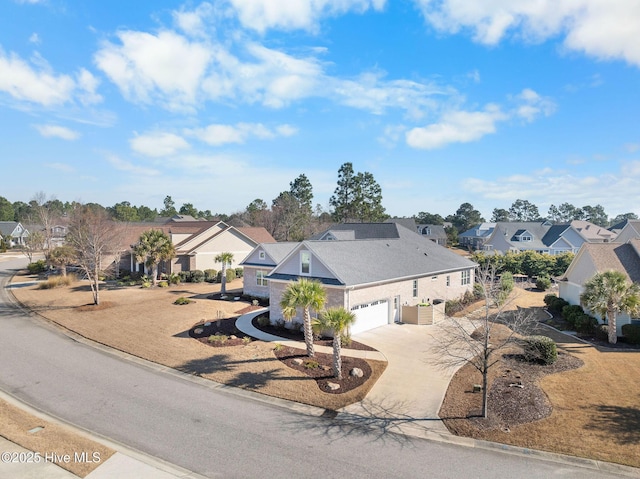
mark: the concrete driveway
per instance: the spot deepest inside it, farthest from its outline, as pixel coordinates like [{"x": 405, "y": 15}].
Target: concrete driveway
[{"x": 411, "y": 390}]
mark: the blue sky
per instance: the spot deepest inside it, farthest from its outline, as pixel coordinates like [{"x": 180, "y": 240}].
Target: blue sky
[{"x": 217, "y": 104}]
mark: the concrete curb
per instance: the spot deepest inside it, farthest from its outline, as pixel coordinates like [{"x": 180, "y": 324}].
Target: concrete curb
[{"x": 299, "y": 408}]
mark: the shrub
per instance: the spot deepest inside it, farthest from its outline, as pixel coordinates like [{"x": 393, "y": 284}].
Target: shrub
[
  {"x": 280, "y": 324},
  {"x": 506, "y": 282},
  {"x": 239, "y": 272},
  {"x": 255, "y": 302},
  {"x": 311, "y": 364},
  {"x": 278, "y": 347},
  {"x": 182, "y": 300},
  {"x": 557, "y": 305},
  {"x": 231, "y": 275},
  {"x": 453, "y": 306},
  {"x": 174, "y": 278},
  {"x": 602, "y": 332},
  {"x": 540, "y": 348},
  {"x": 197, "y": 276},
  {"x": 39, "y": 266},
  {"x": 263, "y": 321},
  {"x": 246, "y": 340},
  {"x": 163, "y": 284},
  {"x": 218, "y": 338},
  {"x": 543, "y": 283},
  {"x": 631, "y": 332},
  {"x": 585, "y": 323},
  {"x": 571, "y": 312},
  {"x": 184, "y": 276},
  {"x": 57, "y": 281},
  {"x": 210, "y": 275},
  {"x": 549, "y": 299}
]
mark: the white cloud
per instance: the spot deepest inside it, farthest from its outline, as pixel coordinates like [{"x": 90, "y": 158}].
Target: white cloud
[
  {"x": 36, "y": 82},
  {"x": 158, "y": 144},
  {"x": 34, "y": 38},
  {"x": 549, "y": 186},
  {"x": 456, "y": 127},
  {"x": 122, "y": 165},
  {"x": 532, "y": 105},
  {"x": 54, "y": 131},
  {"x": 218, "y": 134},
  {"x": 599, "y": 28},
  {"x": 261, "y": 15},
  {"x": 37, "y": 85},
  {"x": 166, "y": 66}
]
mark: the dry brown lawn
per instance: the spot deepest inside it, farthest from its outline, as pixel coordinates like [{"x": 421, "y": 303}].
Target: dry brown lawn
[
  {"x": 146, "y": 323},
  {"x": 53, "y": 438},
  {"x": 595, "y": 408}
]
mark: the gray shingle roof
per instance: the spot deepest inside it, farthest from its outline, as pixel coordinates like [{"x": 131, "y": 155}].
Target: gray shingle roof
[
  {"x": 407, "y": 255},
  {"x": 362, "y": 231}
]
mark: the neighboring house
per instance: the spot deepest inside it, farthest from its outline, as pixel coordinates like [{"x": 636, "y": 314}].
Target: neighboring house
[
  {"x": 197, "y": 244},
  {"x": 544, "y": 237},
  {"x": 371, "y": 269},
  {"x": 475, "y": 237},
  {"x": 435, "y": 233},
  {"x": 13, "y": 232},
  {"x": 630, "y": 230},
  {"x": 596, "y": 258}
]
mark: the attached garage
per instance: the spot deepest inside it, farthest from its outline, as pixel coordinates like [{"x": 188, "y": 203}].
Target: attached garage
[{"x": 370, "y": 315}]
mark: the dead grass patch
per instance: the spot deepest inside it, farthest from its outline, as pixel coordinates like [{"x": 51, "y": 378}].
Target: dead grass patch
[
  {"x": 143, "y": 322},
  {"x": 53, "y": 438},
  {"x": 595, "y": 409}
]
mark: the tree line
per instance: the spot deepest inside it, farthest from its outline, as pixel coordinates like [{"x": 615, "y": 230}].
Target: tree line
[{"x": 292, "y": 216}]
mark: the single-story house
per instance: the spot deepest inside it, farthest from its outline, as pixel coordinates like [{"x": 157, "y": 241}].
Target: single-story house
[
  {"x": 371, "y": 269},
  {"x": 13, "y": 233},
  {"x": 544, "y": 237},
  {"x": 197, "y": 244},
  {"x": 594, "y": 258}
]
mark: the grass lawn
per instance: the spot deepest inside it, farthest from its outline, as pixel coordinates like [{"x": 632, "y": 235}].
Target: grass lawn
[
  {"x": 146, "y": 323},
  {"x": 595, "y": 408}
]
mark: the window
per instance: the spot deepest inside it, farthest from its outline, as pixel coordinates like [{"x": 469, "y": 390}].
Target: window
[
  {"x": 261, "y": 255},
  {"x": 448, "y": 280},
  {"x": 526, "y": 238},
  {"x": 305, "y": 262},
  {"x": 415, "y": 288},
  {"x": 434, "y": 278},
  {"x": 466, "y": 277},
  {"x": 261, "y": 280}
]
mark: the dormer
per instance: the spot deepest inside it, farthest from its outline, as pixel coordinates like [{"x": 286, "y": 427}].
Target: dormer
[{"x": 523, "y": 236}]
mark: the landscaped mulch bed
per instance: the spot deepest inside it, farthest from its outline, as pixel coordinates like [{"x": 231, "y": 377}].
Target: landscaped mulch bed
[
  {"x": 323, "y": 373},
  {"x": 293, "y": 335},
  {"x": 515, "y": 396},
  {"x": 223, "y": 327}
]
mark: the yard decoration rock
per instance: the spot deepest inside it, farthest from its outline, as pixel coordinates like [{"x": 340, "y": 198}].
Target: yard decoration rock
[
  {"x": 297, "y": 361},
  {"x": 198, "y": 331},
  {"x": 356, "y": 372},
  {"x": 233, "y": 336},
  {"x": 333, "y": 386}
]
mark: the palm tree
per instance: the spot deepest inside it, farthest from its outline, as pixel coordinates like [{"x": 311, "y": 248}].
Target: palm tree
[
  {"x": 225, "y": 259},
  {"x": 338, "y": 320},
  {"x": 305, "y": 294},
  {"x": 608, "y": 294},
  {"x": 154, "y": 246},
  {"x": 61, "y": 256}
]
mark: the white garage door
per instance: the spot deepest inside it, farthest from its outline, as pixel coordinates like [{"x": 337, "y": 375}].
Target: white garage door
[{"x": 370, "y": 315}]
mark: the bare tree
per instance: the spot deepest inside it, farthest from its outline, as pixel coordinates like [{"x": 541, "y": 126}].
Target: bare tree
[
  {"x": 46, "y": 215},
  {"x": 98, "y": 243},
  {"x": 481, "y": 339},
  {"x": 32, "y": 244}
]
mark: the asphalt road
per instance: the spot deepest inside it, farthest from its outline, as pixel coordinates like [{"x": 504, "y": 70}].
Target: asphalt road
[{"x": 215, "y": 433}]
